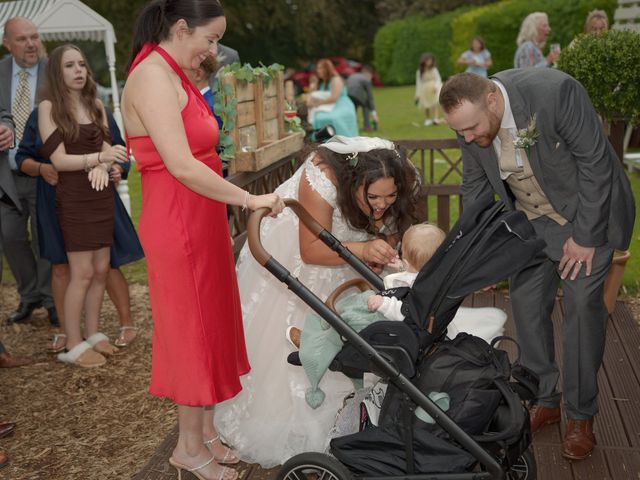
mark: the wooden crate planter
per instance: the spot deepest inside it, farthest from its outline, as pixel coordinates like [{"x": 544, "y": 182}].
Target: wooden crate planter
[{"x": 259, "y": 135}]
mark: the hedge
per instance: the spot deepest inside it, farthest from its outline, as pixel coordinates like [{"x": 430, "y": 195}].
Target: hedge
[
  {"x": 607, "y": 67},
  {"x": 399, "y": 44}
]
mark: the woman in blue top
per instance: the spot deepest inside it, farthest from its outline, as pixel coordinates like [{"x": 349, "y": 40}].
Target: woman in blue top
[
  {"x": 125, "y": 248},
  {"x": 329, "y": 103},
  {"x": 477, "y": 58}
]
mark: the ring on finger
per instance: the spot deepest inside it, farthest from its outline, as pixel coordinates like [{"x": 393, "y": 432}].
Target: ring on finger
[{"x": 579, "y": 262}]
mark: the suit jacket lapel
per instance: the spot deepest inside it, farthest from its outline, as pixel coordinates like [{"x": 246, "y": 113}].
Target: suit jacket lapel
[
  {"x": 5, "y": 82},
  {"x": 41, "y": 79},
  {"x": 522, "y": 114}
]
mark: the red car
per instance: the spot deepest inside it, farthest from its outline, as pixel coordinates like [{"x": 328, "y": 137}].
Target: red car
[{"x": 344, "y": 67}]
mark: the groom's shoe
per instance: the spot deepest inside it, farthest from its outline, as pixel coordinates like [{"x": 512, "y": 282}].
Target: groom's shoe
[
  {"x": 23, "y": 312},
  {"x": 541, "y": 416},
  {"x": 579, "y": 439}
]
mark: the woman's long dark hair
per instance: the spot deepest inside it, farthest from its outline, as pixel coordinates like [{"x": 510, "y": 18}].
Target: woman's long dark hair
[
  {"x": 370, "y": 167},
  {"x": 58, "y": 93},
  {"x": 157, "y": 17}
]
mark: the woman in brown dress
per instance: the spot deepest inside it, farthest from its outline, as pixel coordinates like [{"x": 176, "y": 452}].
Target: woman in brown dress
[{"x": 73, "y": 124}]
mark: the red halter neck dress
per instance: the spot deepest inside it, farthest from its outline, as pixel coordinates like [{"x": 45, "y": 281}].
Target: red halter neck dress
[{"x": 198, "y": 350}]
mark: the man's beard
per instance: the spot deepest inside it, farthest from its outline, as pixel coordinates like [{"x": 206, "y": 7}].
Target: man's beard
[{"x": 485, "y": 141}]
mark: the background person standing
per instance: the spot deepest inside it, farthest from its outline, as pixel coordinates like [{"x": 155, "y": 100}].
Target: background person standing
[
  {"x": 21, "y": 78},
  {"x": 532, "y": 37},
  {"x": 477, "y": 58},
  {"x": 360, "y": 91}
]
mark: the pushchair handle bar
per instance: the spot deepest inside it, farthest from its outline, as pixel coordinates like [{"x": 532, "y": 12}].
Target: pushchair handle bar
[
  {"x": 358, "y": 283},
  {"x": 262, "y": 256}
]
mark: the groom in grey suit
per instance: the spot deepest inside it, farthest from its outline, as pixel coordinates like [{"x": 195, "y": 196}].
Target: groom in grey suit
[
  {"x": 532, "y": 137},
  {"x": 33, "y": 275}
]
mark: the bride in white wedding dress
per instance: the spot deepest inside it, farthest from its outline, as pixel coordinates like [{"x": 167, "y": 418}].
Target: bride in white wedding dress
[{"x": 362, "y": 190}]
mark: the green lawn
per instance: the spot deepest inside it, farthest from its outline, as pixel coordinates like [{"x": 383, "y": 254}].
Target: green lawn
[{"x": 398, "y": 119}]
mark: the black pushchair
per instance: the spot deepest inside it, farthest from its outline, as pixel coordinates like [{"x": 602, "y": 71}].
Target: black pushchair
[{"x": 486, "y": 245}]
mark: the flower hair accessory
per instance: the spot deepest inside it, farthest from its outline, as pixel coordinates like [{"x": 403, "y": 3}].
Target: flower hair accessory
[
  {"x": 352, "y": 146},
  {"x": 527, "y": 137}
]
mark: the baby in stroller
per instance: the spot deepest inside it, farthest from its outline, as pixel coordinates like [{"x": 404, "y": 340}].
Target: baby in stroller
[{"x": 319, "y": 344}]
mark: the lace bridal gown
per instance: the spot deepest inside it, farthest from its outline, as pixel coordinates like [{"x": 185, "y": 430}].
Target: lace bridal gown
[{"x": 270, "y": 421}]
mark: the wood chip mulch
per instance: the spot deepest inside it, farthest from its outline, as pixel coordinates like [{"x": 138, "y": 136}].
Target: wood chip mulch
[
  {"x": 85, "y": 424},
  {"x": 76, "y": 423}
]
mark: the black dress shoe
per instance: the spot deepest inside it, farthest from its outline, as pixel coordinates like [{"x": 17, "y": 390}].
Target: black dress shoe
[
  {"x": 53, "y": 316},
  {"x": 23, "y": 312}
]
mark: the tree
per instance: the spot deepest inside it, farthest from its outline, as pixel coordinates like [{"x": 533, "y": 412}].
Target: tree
[
  {"x": 388, "y": 10},
  {"x": 290, "y": 32},
  {"x": 122, "y": 14},
  {"x": 296, "y": 31}
]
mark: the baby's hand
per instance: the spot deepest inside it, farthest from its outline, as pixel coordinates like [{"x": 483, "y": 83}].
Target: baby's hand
[
  {"x": 374, "y": 302},
  {"x": 396, "y": 264}
]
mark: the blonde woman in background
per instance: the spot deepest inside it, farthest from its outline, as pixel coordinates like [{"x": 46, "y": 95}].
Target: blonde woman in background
[
  {"x": 533, "y": 35},
  {"x": 597, "y": 22}
]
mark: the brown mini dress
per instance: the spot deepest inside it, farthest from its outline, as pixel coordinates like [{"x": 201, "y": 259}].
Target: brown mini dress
[{"x": 85, "y": 215}]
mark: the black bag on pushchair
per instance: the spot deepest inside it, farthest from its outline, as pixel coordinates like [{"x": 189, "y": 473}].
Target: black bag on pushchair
[{"x": 476, "y": 378}]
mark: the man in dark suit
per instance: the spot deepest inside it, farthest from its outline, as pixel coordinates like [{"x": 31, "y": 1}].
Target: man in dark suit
[
  {"x": 8, "y": 192},
  {"x": 21, "y": 77},
  {"x": 360, "y": 91},
  {"x": 226, "y": 56},
  {"x": 532, "y": 137}
]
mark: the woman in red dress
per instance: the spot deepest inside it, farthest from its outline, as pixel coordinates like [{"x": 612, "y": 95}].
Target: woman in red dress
[{"x": 198, "y": 342}]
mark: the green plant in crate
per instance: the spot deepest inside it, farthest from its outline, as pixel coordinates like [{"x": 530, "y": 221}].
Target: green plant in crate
[
  {"x": 249, "y": 74},
  {"x": 225, "y": 108},
  {"x": 608, "y": 68}
]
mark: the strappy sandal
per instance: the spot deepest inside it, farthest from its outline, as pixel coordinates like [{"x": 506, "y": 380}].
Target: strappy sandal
[
  {"x": 122, "y": 341},
  {"x": 194, "y": 470},
  {"x": 230, "y": 458},
  {"x": 57, "y": 345},
  {"x": 100, "y": 343}
]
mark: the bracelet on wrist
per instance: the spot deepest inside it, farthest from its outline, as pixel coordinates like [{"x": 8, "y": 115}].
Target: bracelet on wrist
[
  {"x": 246, "y": 200},
  {"x": 99, "y": 162},
  {"x": 86, "y": 163},
  {"x": 39, "y": 169}
]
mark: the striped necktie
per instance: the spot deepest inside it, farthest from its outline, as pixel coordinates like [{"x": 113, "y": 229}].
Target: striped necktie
[{"x": 21, "y": 105}]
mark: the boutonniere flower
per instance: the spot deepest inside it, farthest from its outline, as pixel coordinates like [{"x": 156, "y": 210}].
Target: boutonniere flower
[{"x": 527, "y": 137}]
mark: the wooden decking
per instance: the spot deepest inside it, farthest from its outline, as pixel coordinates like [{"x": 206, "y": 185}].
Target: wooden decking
[{"x": 617, "y": 455}]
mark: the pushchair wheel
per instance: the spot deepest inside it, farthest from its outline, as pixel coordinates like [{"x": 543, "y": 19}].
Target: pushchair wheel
[
  {"x": 313, "y": 466},
  {"x": 524, "y": 467}
]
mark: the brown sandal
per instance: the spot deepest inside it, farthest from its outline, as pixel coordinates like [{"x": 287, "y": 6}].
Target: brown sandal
[
  {"x": 58, "y": 344},
  {"x": 82, "y": 355},
  {"x": 100, "y": 343},
  {"x": 122, "y": 341}
]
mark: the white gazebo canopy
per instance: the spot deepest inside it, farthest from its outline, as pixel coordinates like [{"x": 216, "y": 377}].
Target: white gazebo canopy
[{"x": 68, "y": 20}]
